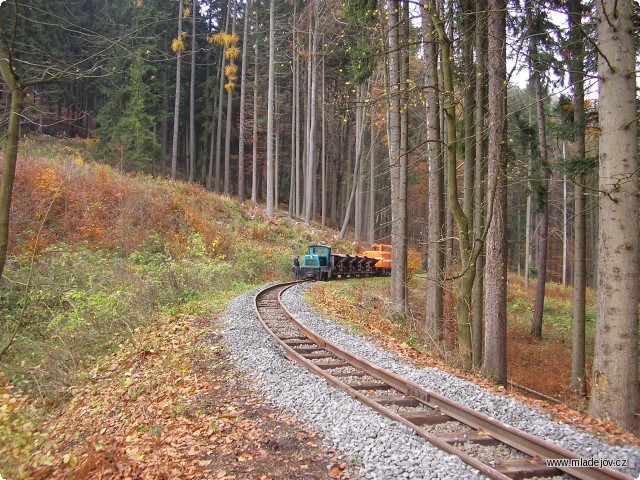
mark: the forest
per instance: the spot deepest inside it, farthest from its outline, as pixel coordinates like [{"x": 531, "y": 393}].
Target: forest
[{"x": 495, "y": 138}]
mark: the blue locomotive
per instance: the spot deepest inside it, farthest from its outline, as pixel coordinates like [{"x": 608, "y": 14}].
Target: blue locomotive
[{"x": 321, "y": 264}]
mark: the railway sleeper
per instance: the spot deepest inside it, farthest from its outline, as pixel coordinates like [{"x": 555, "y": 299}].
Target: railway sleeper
[
  {"x": 395, "y": 400},
  {"x": 308, "y": 348},
  {"x": 317, "y": 356},
  {"x": 331, "y": 365},
  {"x": 426, "y": 418},
  {"x": 268, "y": 303},
  {"x": 521, "y": 468},
  {"x": 369, "y": 386},
  {"x": 464, "y": 437},
  {"x": 298, "y": 343},
  {"x": 355, "y": 373}
]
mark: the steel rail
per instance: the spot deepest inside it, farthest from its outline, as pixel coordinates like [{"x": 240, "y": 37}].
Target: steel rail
[{"x": 500, "y": 431}]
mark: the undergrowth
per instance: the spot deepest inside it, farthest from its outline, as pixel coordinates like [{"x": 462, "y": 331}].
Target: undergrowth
[{"x": 111, "y": 254}]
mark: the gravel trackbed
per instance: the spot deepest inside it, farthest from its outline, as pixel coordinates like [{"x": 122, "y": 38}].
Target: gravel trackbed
[{"x": 383, "y": 449}]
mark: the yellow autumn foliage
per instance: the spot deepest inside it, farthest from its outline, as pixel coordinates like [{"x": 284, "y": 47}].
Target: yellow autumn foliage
[
  {"x": 231, "y": 71},
  {"x": 229, "y": 87},
  {"x": 232, "y": 52},
  {"x": 177, "y": 45},
  {"x": 223, "y": 38}
]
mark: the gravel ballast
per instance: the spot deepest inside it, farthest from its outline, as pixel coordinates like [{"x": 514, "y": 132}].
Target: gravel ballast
[{"x": 383, "y": 449}]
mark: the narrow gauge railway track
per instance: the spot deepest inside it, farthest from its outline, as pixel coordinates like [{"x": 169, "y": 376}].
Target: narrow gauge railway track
[{"x": 446, "y": 424}]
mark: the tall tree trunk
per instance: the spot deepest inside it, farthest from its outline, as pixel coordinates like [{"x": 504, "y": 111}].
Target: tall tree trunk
[
  {"x": 469, "y": 83},
  {"x": 324, "y": 144},
  {"x": 307, "y": 124},
  {"x": 10, "y": 159},
  {"x": 543, "y": 231},
  {"x": 528, "y": 227},
  {"x": 310, "y": 183},
  {"x": 276, "y": 152},
  {"x": 192, "y": 99},
  {"x": 270, "y": 104},
  {"x": 229, "y": 117},
  {"x": 297, "y": 73},
  {"x": 578, "y": 372},
  {"x": 357, "y": 170},
  {"x": 477, "y": 300},
  {"x": 346, "y": 169},
  {"x": 614, "y": 392},
  {"x": 535, "y": 66},
  {"x": 371, "y": 221},
  {"x": 243, "y": 94},
  {"x": 565, "y": 220},
  {"x": 396, "y": 163},
  {"x": 294, "y": 100},
  {"x": 176, "y": 108},
  {"x": 164, "y": 128},
  {"x": 254, "y": 163},
  {"x": 463, "y": 303},
  {"x": 404, "y": 143},
  {"x": 543, "y": 242},
  {"x": 435, "y": 250},
  {"x": 212, "y": 139},
  {"x": 576, "y": 76},
  {"x": 495, "y": 341},
  {"x": 333, "y": 195},
  {"x": 359, "y": 212},
  {"x": 221, "y": 90}
]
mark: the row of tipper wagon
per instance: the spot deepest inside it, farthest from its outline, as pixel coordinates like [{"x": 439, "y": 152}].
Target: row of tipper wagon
[{"x": 321, "y": 263}]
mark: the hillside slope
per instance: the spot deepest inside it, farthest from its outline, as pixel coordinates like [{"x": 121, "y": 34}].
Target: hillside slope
[{"x": 112, "y": 284}]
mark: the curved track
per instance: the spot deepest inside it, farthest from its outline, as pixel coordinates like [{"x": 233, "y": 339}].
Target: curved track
[{"x": 448, "y": 425}]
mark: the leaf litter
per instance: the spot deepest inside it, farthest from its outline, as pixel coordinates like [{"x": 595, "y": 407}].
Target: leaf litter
[{"x": 170, "y": 405}]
